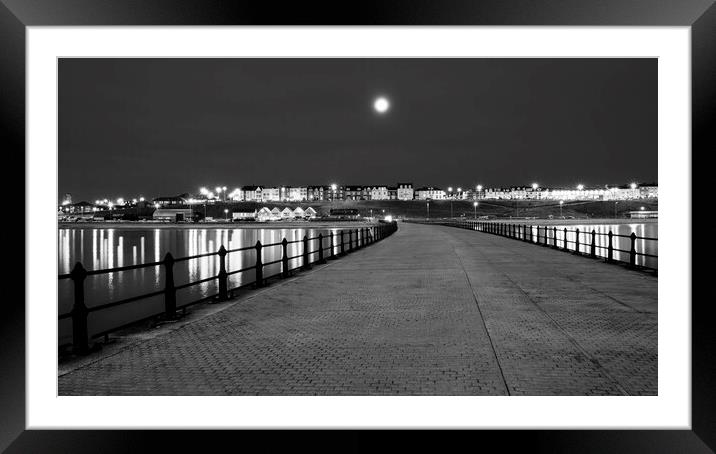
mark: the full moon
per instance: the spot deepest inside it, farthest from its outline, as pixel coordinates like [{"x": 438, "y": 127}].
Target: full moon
[{"x": 381, "y": 105}]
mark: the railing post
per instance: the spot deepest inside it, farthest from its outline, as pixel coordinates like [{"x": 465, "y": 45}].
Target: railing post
[
  {"x": 79, "y": 312},
  {"x": 531, "y": 234},
  {"x": 320, "y": 249},
  {"x": 259, "y": 266},
  {"x": 350, "y": 240},
  {"x": 343, "y": 247},
  {"x": 632, "y": 251},
  {"x": 306, "y": 265},
  {"x": 223, "y": 277},
  {"x": 576, "y": 241},
  {"x": 284, "y": 258},
  {"x": 537, "y": 234},
  {"x": 170, "y": 293},
  {"x": 545, "y": 235},
  {"x": 333, "y": 252},
  {"x": 554, "y": 237},
  {"x": 610, "y": 249},
  {"x": 564, "y": 240},
  {"x": 593, "y": 246}
]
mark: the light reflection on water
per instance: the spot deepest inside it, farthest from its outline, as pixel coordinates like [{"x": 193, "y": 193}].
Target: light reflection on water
[{"x": 101, "y": 248}]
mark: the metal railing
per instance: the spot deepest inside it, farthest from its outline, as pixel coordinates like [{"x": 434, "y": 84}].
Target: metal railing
[
  {"x": 345, "y": 241},
  {"x": 539, "y": 235}
]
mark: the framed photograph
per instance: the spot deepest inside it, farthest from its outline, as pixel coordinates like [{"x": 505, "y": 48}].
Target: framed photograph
[{"x": 417, "y": 216}]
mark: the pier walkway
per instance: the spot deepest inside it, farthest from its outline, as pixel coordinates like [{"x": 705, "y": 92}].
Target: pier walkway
[{"x": 429, "y": 311}]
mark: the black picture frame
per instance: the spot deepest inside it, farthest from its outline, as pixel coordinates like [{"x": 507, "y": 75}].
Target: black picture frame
[{"x": 700, "y": 15}]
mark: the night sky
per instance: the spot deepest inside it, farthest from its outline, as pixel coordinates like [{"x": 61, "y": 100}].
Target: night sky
[{"x": 167, "y": 126}]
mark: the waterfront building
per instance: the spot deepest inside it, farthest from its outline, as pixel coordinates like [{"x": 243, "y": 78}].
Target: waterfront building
[
  {"x": 237, "y": 195},
  {"x": 252, "y": 193},
  {"x": 649, "y": 191},
  {"x": 429, "y": 192},
  {"x": 298, "y": 213},
  {"x": 264, "y": 214},
  {"x": 392, "y": 193},
  {"x": 405, "y": 191},
  {"x": 356, "y": 193},
  {"x": 297, "y": 194},
  {"x": 379, "y": 193},
  {"x": 336, "y": 194},
  {"x": 170, "y": 201},
  {"x": 344, "y": 213},
  {"x": 275, "y": 214},
  {"x": 643, "y": 214},
  {"x": 318, "y": 193},
  {"x": 287, "y": 213},
  {"x": 172, "y": 214},
  {"x": 271, "y": 195},
  {"x": 243, "y": 214},
  {"x": 310, "y": 213},
  {"x": 78, "y": 208}
]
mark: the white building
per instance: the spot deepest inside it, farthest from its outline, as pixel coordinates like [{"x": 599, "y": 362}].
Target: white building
[
  {"x": 405, "y": 191},
  {"x": 298, "y": 213},
  {"x": 287, "y": 213},
  {"x": 379, "y": 193},
  {"x": 243, "y": 214},
  {"x": 310, "y": 213},
  {"x": 430, "y": 193},
  {"x": 263, "y": 215},
  {"x": 253, "y": 193},
  {"x": 237, "y": 195},
  {"x": 271, "y": 195},
  {"x": 297, "y": 194},
  {"x": 275, "y": 214}
]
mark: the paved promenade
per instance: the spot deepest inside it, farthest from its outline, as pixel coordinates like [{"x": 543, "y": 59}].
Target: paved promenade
[{"x": 429, "y": 311}]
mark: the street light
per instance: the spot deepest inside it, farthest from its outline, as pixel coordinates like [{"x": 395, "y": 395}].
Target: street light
[
  {"x": 450, "y": 197},
  {"x": 561, "y": 202},
  {"x": 479, "y": 190},
  {"x": 333, "y": 189},
  {"x": 580, "y": 187},
  {"x": 615, "y": 209},
  {"x": 226, "y": 214},
  {"x": 633, "y": 185},
  {"x": 428, "y": 204},
  {"x": 535, "y": 186},
  {"x": 475, "y": 206}
]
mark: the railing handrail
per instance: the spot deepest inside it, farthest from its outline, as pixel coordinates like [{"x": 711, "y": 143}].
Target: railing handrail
[
  {"x": 79, "y": 312},
  {"x": 517, "y": 231}
]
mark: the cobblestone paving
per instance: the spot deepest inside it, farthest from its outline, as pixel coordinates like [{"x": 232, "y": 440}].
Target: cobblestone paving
[{"x": 429, "y": 311}]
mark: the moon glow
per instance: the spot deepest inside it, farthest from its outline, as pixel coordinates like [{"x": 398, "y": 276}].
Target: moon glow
[{"x": 381, "y": 105}]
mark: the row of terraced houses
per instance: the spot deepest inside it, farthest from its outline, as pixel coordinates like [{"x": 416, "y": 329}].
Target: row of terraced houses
[{"x": 405, "y": 191}]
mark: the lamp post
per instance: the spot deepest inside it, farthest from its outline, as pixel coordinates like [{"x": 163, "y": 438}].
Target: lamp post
[
  {"x": 226, "y": 214},
  {"x": 615, "y": 209},
  {"x": 428, "y": 205},
  {"x": 475, "y": 206},
  {"x": 561, "y": 202},
  {"x": 450, "y": 196}
]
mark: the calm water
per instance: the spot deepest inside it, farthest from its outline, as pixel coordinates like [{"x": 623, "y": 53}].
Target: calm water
[
  {"x": 101, "y": 248},
  {"x": 643, "y": 230}
]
